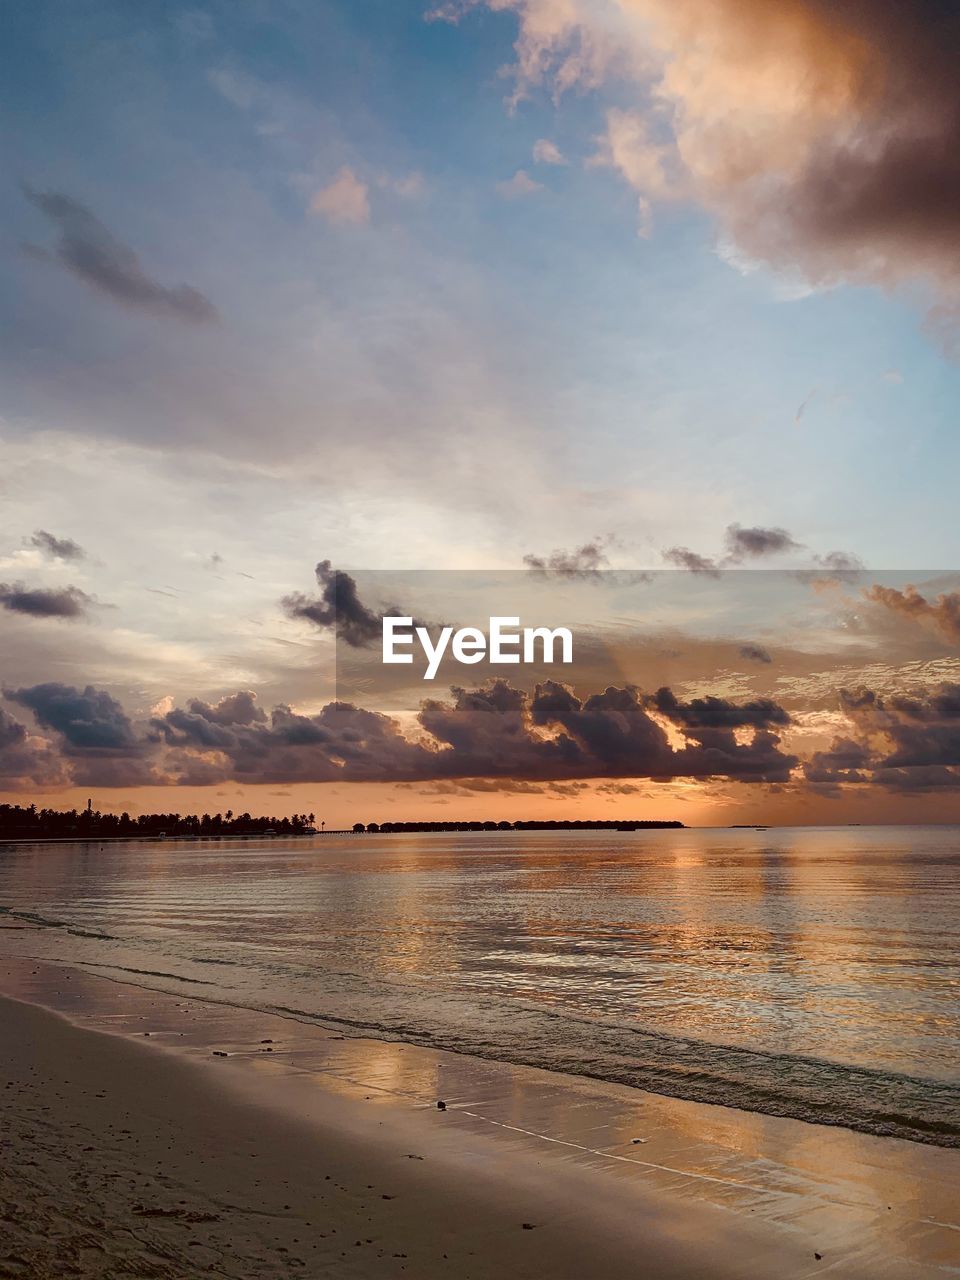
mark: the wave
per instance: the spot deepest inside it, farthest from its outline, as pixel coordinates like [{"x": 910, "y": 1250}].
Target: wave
[{"x": 865, "y": 1099}]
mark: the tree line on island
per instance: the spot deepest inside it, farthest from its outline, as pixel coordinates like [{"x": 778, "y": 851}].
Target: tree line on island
[
  {"x": 552, "y": 824},
  {"x": 30, "y": 823}
]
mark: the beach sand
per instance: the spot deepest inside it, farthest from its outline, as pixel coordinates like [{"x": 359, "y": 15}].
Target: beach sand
[{"x": 140, "y": 1151}]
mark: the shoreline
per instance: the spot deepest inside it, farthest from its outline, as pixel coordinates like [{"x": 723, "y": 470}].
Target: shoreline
[
  {"x": 740, "y": 1079},
  {"x": 604, "y": 1174}
]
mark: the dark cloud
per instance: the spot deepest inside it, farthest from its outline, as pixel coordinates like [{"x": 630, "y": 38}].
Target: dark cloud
[
  {"x": 832, "y": 569},
  {"x": 745, "y": 544},
  {"x": 57, "y": 548},
  {"x": 755, "y": 653},
  {"x": 715, "y": 713},
  {"x": 493, "y": 732},
  {"x": 844, "y": 564},
  {"x": 918, "y": 780},
  {"x": 338, "y": 608},
  {"x": 340, "y": 743},
  {"x": 942, "y": 614},
  {"x": 91, "y": 252},
  {"x": 585, "y": 562},
  {"x": 908, "y": 742},
  {"x": 25, "y": 761},
  {"x": 846, "y": 761},
  {"x": 613, "y": 727},
  {"x": 684, "y": 558},
  {"x": 924, "y": 730},
  {"x": 237, "y": 708},
  {"x": 712, "y": 725},
  {"x": 45, "y": 602},
  {"x": 753, "y": 544},
  {"x": 88, "y": 720},
  {"x": 95, "y": 738},
  {"x": 203, "y": 724}
]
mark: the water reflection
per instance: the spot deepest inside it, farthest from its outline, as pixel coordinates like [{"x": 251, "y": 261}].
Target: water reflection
[{"x": 660, "y": 958}]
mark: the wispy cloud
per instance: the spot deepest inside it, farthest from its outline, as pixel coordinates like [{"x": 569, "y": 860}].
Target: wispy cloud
[
  {"x": 585, "y": 562},
  {"x": 520, "y": 185},
  {"x": 692, "y": 561},
  {"x": 92, "y": 253},
  {"x": 57, "y": 548},
  {"x": 547, "y": 152},
  {"x": 804, "y": 406}
]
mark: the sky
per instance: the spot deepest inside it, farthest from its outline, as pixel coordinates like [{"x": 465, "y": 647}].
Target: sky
[{"x": 508, "y": 287}]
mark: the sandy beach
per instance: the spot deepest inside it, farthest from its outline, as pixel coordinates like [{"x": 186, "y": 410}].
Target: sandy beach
[{"x": 142, "y": 1150}]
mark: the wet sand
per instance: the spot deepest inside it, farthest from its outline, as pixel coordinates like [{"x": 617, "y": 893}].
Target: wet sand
[{"x": 130, "y": 1146}]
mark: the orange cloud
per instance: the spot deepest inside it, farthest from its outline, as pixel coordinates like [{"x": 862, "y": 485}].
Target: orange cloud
[
  {"x": 345, "y": 200},
  {"x": 943, "y": 614},
  {"x": 825, "y": 138}
]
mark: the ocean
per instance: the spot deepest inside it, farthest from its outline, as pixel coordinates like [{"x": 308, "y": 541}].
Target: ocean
[{"x": 805, "y": 972}]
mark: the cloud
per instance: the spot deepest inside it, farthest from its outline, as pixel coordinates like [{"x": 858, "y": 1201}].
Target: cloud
[
  {"x": 757, "y": 543},
  {"x": 554, "y": 734},
  {"x": 825, "y": 139},
  {"x": 693, "y": 562},
  {"x": 96, "y": 741},
  {"x": 90, "y": 251},
  {"x": 804, "y": 405},
  {"x": 345, "y": 200},
  {"x": 906, "y": 742},
  {"x": 26, "y": 761},
  {"x": 57, "y": 548},
  {"x": 45, "y": 602},
  {"x": 338, "y": 608},
  {"x": 547, "y": 152},
  {"x": 755, "y": 653},
  {"x": 520, "y": 185},
  {"x": 584, "y": 562},
  {"x": 648, "y": 165},
  {"x": 846, "y": 761},
  {"x": 493, "y": 732},
  {"x": 942, "y": 614},
  {"x": 832, "y": 569},
  {"x": 844, "y": 564},
  {"x": 408, "y": 186},
  {"x": 204, "y": 724},
  {"x": 752, "y": 544},
  {"x": 88, "y": 720},
  {"x": 718, "y": 713}
]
